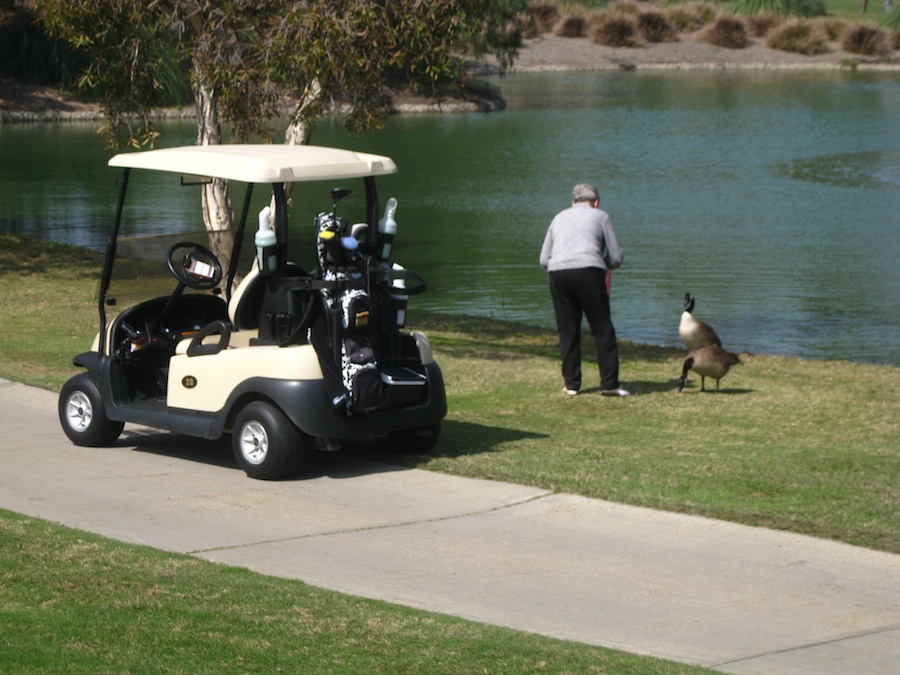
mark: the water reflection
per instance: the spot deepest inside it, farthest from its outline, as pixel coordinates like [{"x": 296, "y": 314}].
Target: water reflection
[{"x": 773, "y": 197}]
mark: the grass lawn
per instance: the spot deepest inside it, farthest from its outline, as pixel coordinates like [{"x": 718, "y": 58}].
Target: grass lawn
[
  {"x": 71, "y": 602},
  {"x": 806, "y": 446}
]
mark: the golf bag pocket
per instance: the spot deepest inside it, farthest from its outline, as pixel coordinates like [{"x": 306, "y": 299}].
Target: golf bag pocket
[
  {"x": 358, "y": 350},
  {"x": 365, "y": 389},
  {"x": 357, "y": 310}
]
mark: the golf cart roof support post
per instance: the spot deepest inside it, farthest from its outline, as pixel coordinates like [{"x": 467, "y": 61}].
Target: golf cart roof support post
[
  {"x": 281, "y": 222},
  {"x": 111, "y": 246},
  {"x": 238, "y": 242},
  {"x": 372, "y": 206}
]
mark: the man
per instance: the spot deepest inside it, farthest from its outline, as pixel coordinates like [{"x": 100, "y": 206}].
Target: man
[{"x": 578, "y": 252}]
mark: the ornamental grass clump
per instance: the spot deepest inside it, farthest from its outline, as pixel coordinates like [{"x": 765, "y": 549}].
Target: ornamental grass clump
[
  {"x": 727, "y": 31},
  {"x": 623, "y": 7},
  {"x": 832, "y": 26},
  {"x": 616, "y": 29},
  {"x": 691, "y": 16},
  {"x": 572, "y": 26},
  {"x": 655, "y": 27},
  {"x": 798, "y": 36},
  {"x": 760, "y": 25},
  {"x": 544, "y": 14},
  {"x": 866, "y": 41},
  {"x": 778, "y": 7}
]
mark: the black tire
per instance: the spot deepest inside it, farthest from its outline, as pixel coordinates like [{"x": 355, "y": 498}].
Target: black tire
[
  {"x": 411, "y": 441},
  {"x": 83, "y": 415},
  {"x": 266, "y": 444}
]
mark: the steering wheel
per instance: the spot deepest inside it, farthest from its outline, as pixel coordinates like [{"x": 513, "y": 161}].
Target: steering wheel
[{"x": 194, "y": 265}]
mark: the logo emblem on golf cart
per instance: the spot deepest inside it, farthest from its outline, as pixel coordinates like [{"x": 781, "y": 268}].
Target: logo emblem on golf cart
[{"x": 188, "y": 381}]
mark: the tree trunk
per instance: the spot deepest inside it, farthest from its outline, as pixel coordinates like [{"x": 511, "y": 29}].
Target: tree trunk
[
  {"x": 299, "y": 133},
  {"x": 215, "y": 202}
]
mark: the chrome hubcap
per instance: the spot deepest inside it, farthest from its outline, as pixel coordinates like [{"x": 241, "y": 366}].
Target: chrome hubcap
[
  {"x": 79, "y": 411},
  {"x": 254, "y": 442}
]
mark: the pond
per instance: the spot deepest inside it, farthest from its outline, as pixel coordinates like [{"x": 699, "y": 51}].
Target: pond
[{"x": 773, "y": 197}]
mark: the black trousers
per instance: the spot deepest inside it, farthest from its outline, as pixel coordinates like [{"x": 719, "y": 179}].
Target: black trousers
[{"x": 577, "y": 293}]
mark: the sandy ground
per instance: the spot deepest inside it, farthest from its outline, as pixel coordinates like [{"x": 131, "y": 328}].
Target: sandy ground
[
  {"x": 550, "y": 52},
  {"x": 547, "y": 53}
]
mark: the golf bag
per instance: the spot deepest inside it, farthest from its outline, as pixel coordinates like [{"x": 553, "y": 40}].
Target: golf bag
[{"x": 343, "y": 339}]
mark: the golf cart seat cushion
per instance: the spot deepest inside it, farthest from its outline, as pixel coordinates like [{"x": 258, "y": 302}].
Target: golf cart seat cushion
[{"x": 246, "y": 302}]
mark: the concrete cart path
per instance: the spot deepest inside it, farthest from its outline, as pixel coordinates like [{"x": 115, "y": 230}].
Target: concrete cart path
[{"x": 695, "y": 590}]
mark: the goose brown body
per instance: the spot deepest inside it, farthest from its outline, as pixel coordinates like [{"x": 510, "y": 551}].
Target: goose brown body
[
  {"x": 709, "y": 361},
  {"x": 693, "y": 332}
]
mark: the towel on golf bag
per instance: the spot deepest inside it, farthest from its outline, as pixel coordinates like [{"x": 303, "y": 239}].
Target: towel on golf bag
[{"x": 352, "y": 375}]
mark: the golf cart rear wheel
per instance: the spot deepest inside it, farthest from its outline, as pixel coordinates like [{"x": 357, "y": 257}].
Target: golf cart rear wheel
[
  {"x": 83, "y": 416},
  {"x": 411, "y": 441},
  {"x": 266, "y": 444}
]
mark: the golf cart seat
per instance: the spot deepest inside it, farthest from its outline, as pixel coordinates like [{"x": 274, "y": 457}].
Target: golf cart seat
[
  {"x": 273, "y": 306},
  {"x": 246, "y": 301},
  {"x": 243, "y": 315}
]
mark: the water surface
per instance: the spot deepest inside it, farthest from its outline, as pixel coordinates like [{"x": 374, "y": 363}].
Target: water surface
[{"x": 773, "y": 197}]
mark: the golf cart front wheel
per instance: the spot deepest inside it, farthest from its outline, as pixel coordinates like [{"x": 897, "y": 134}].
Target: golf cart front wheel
[
  {"x": 83, "y": 416},
  {"x": 266, "y": 444}
]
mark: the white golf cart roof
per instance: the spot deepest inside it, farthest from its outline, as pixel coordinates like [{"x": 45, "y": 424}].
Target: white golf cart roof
[{"x": 259, "y": 163}]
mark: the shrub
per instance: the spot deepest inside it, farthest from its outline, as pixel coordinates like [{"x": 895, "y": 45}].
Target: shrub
[
  {"x": 778, "y": 7},
  {"x": 798, "y": 36},
  {"x": 866, "y": 41},
  {"x": 762, "y": 23},
  {"x": 655, "y": 27},
  {"x": 691, "y": 16},
  {"x": 727, "y": 31},
  {"x": 615, "y": 29},
  {"x": 572, "y": 26},
  {"x": 623, "y": 7},
  {"x": 833, "y": 27},
  {"x": 544, "y": 14}
]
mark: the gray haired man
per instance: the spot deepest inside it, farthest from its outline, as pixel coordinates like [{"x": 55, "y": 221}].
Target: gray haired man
[{"x": 578, "y": 251}]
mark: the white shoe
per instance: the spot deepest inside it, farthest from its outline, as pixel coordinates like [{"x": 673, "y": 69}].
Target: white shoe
[
  {"x": 570, "y": 392},
  {"x": 615, "y": 392}
]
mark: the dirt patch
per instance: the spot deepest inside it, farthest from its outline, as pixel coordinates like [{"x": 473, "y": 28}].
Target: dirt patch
[
  {"x": 551, "y": 52},
  {"x": 43, "y": 101}
]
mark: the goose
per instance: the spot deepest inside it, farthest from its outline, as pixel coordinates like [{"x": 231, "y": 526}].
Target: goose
[
  {"x": 695, "y": 333},
  {"x": 709, "y": 361}
]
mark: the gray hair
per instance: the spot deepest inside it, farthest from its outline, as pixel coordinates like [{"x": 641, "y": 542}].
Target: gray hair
[{"x": 584, "y": 192}]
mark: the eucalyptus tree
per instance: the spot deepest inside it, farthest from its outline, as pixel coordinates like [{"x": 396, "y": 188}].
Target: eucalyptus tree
[{"x": 245, "y": 58}]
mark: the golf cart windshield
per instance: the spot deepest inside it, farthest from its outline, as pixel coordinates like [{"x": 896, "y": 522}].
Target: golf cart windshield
[{"x": 137, "y": 266}]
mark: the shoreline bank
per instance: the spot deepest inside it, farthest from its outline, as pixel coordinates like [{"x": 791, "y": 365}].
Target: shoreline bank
[{"x": 21, "y": 103}]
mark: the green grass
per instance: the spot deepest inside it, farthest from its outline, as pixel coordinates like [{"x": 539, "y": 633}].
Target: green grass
[
  {"x": 72, "y": 602},
  {"x": 805, "y": 446}
]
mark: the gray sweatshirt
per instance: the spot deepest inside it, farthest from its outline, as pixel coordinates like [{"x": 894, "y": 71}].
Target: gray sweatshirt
[{"x": 581, "y": 236}]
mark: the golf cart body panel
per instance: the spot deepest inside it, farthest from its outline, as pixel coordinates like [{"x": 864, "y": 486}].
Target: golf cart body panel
[{"x": 286, "y": 359}]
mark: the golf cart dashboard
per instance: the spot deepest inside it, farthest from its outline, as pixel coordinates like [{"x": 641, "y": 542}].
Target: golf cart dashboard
[{"x": 157, "y": 325}]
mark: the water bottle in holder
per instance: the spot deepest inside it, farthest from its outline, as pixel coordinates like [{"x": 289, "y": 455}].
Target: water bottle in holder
[
  {"x": 387, "y": 228},
  {"x": 265, "y": 240}
]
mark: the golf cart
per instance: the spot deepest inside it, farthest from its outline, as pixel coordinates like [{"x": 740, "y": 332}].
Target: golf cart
[{"x": 285, "y": 357}]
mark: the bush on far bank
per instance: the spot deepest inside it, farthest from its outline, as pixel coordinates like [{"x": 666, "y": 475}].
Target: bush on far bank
[{"x": 797, "y": 26}]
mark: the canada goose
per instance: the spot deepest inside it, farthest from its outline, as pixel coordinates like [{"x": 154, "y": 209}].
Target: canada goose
[
  {"x": 695, "y": 333},
  {"x": 708, "y": 361}
]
